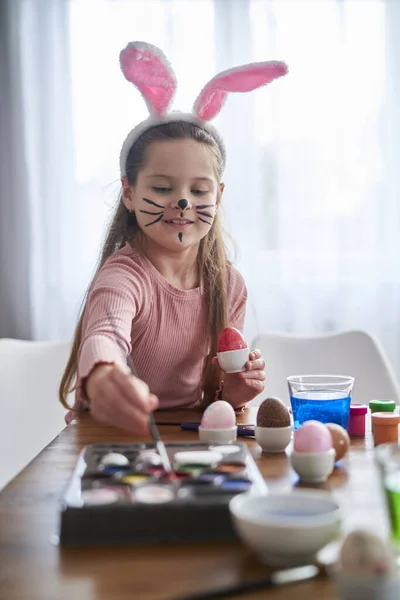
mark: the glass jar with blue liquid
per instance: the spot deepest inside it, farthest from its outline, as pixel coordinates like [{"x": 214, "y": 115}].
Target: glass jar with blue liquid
[{"x": 324, "y": 398}]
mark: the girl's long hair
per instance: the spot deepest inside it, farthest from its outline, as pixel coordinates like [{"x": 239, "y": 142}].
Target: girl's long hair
[{"x": 212, "y": 257}]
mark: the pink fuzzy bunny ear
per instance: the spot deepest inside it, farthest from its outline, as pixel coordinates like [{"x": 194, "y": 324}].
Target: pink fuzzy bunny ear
[
  {"x": 240, "y": 79},
  {"x": 147, "y": 68}
]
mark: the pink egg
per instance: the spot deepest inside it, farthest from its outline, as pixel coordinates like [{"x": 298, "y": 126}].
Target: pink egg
[
  {"x": 312, "y": 436},
  {"x": 219, "y": 415}
]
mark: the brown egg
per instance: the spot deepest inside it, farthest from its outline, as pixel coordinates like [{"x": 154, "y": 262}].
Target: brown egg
[
  {"x": 340, "y": 438},
  {"x": 273, "y": 413}
]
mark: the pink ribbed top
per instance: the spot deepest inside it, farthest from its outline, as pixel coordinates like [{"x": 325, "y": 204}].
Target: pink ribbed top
[{"x": 163, "y": 328}]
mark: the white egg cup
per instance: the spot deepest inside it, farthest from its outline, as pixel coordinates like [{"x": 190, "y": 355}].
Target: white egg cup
[
  {"x": 218, "y": 436},
  {"x": 233, "y": 361},
  {"x": 273, "y": 439},
  {"x": 313, "y": 467}
]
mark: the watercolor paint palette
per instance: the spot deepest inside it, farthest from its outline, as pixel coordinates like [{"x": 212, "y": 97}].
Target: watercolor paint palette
[{"x": 119, "y": 493}]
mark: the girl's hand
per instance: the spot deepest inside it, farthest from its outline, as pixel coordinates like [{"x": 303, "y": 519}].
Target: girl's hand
[
  {"x": 118, "y": 398},
  {"x": 240, "y": 388}
]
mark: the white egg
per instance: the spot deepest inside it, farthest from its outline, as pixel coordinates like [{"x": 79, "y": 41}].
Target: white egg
[{"x": 219, "y": 415}]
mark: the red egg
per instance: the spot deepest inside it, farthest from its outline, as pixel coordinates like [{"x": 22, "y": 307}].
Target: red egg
[{"x": 231, "y": 339}]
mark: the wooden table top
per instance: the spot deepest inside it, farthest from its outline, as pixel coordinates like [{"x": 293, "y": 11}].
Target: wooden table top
[{"x": 34, "y": 568}]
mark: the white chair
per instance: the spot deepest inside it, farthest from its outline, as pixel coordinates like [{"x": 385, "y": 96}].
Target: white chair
[
  {"x": 355, "y": 353},
  {"x": 31, "y": 415}
]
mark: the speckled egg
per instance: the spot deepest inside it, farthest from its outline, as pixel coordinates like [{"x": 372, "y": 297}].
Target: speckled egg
[
  {"x": 365, "y": 553},
  {"x": 340, "y": 439},
  {"x": 273, "y": 413},
  {"x": 312, "y": 436},
  {"x": 219, "y": 415}
]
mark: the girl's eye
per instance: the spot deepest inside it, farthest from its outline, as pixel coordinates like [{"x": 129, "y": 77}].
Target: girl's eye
[
  {"x": 199, "y": 192},
  {"x": 161, "y": 190}
]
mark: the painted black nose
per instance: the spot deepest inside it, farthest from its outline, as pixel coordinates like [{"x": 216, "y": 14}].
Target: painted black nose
[{"x": 183, "y": 204}]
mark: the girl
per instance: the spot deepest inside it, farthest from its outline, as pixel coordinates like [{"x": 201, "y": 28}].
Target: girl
[{"x": 164, "y": 289}]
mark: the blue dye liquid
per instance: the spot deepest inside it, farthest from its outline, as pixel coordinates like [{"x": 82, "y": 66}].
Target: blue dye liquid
[{"x": 323, "y": 405}]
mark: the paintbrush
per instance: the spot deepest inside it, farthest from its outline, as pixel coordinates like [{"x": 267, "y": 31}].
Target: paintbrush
[
  {"x": 159, "y": 444},
  {"x": 155, "y": 434},
  {"x": 282, "y": 577}
]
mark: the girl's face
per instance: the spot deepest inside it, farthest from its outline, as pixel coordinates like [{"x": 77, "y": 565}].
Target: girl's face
[{"x": 176, "y": 194}]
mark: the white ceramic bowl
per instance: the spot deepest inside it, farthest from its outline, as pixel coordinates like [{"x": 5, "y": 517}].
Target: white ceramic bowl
[
  {"x": 218, "y": 436},
  {"x": 286, "y": 529},
  {"x": 233, "y": 361},
  {"x": 273, "y": 439},
  {"x": 313, "y": 467}
]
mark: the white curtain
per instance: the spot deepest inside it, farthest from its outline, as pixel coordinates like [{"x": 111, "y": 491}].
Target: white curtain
[
  {"x": 312, "y": 194},
  {"x": 39, "y": 209}
]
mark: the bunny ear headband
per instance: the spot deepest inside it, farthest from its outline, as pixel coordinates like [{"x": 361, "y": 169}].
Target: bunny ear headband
[{"x": 147, "y": 68}]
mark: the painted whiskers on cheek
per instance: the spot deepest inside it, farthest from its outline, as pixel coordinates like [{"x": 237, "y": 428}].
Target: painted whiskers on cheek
[
  {"x": 146, "y": 212},
  {"x": 201, "y": 210},
  {"x": 203, "y": 214},
  {"x": 159, "y": 214}
]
